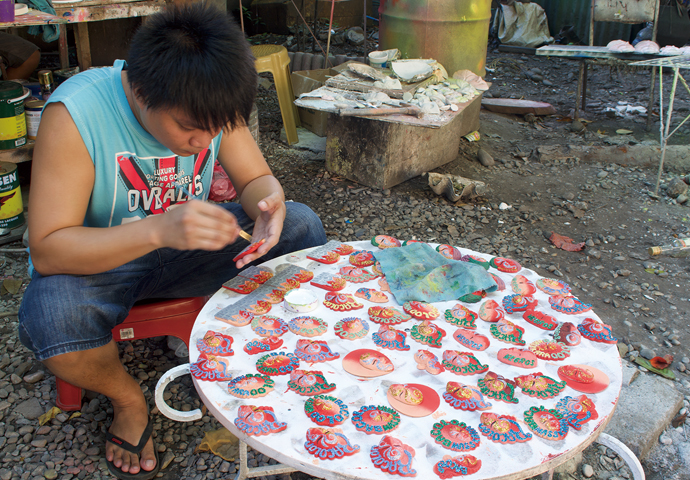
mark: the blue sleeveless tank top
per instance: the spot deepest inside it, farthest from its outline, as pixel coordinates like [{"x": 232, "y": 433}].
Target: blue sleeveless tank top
[{"x": 136, "y": 175}]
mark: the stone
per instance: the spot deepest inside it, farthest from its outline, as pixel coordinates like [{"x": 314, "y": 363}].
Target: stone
[
  {"x": 676, "y": 187},
  {"x": 35, "y": 377},
  {"x": 587, "y": 470},
  {"x": 30, "y": 409},
  {"x": 484, "y": 158}
]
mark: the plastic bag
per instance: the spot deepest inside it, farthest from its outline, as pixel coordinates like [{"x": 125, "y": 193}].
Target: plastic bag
[{"x": 221, "y": 187}]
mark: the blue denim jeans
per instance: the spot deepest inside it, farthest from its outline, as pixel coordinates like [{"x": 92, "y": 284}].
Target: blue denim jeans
[{"x": 68, "y": 313}]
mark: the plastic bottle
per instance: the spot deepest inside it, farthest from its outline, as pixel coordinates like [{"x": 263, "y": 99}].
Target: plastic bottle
[
  {"x": 644, "y": 34},
  {"x": 679, "y": 247}
]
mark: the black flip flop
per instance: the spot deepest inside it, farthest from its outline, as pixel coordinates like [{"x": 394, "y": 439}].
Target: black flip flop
[{"x": 135, "y": 449}]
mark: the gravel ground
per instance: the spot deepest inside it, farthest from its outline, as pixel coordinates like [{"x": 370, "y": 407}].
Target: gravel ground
[{"x": 607, "y": 206}]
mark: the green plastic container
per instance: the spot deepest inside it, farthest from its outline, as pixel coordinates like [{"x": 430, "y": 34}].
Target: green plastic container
[
  {"x": 453, "y": 32},
  {"x": 12, "y": 121}
]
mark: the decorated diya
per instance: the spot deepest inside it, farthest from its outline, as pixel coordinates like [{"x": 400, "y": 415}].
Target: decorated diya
[
  {"x": 269, "y": 326},
  {"x": 373, "y": 419},
  {"x": 329, "y": 281},
  {"x": 522, "y": 286},
  {"x": 239, "y": 319},
  {"x": 477, "y": 260},
  {"x": 356, "y": 274},
  {"x": 473, "y": 297},
  {"x": 344, "y": 249},
  {"x": 385, "y": 241},
  {"x": 505, "y": 265},
  {"x": 449, "y": 251},
  {"x": 262, "y": 345},
  {"x": 376, "y": 269},
  {"x": 553, "y": 287},
  {"x": 568, "y": 305},
  {"x": 568, "y": 334},
  {"x": 308, "y": 383},
  {"x": 371, "y": 294},
  {"x": 413, "y": 399},
  {"x": 517, "y": 357},
  {"x": 394, "y": 457},
  {"x": 260, "y": 307},
  {"x": 548, "y": 424},
  {"x": 351, "y": 328},
  {"x": 491, "y": 311},
  {"x": 499, "y": 282},
  {"x": 518, "y": 303},
  {"x": 465, "y": 397},
  {"x": 362, "y": 258},
  {"x": 277, "y": 363},
  {"x": 427, "y": 333},
  {"x": 314, "y": 351},
  {"x": 307, "y": 326},
  {"x": 596, "y": 331},
  {"x": 538, "y": 385},
  {"x": 472, "y": 340},
  {"x": 451, "y": 467},
  {"x": 461, "y": 317},
  {"x": 584, "y": 378},
  {"x": 241, "y": 285},
  {"x": 251, "y": 386},
  {"x": 455, "y": 435},
  {"x": 549, "y": 350},
  {"x": 462, "y": 363},
  {"x": 214, "y": 343},
  {"x": 341, "y": 302},
  {"x": 420, "y": 310},
  {"x": 257, "y": 274},
  {"x": 330, "y": 252},
  {"x": 577, "y": 411},
  {"x": 326, "y": 410},
  {"x": 251, "y": 248},
  {"x": 497, "y": 387},
  {"x": 428, "y": 361},
  {"x": 387, "y": 315},
  {"x": 272, "y": 295},
  {"x": 383, "y": 283},
  {"x": 540, "y": 320},
  {"x": 255, "y": 421},
  {"x": 327, "y": 444},
  {"x": 502, "y": 428},
  {"x": 367, "y": 363},
  {"x": 390, "y": 338},
  {"x": 507, "y": 331},
  {"x": 211, "y": 368}
]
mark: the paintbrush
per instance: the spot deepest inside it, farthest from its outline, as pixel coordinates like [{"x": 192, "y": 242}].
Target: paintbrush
[{"x": 243, "y": 234}]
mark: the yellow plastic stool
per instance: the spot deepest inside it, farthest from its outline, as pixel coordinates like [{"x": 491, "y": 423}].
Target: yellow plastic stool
[{"x": 274, "y": 59}]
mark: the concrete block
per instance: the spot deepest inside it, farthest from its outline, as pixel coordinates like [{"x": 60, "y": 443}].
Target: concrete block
[{"x": 645, "y": 407}]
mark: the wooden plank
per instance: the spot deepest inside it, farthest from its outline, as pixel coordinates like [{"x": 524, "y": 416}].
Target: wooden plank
[
  {"x": 18, "y": 155},
  {"x": 95, "y": 13},
  {"x": 520, "y": 107},
  {"x": 63, "y": 47},
  {"x": 34, "y": 17},
  {"x": 584, "y": 51},
  {"x": 83, "y": 46}
]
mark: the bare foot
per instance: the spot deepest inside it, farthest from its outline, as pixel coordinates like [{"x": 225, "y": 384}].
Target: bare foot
[{"x": 129, "y": 423}]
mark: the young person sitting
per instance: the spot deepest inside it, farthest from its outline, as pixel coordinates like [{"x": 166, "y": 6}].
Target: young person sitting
[{"x": 123, "y": 161}]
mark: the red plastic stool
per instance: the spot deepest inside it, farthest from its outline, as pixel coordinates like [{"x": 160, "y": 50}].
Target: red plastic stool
[{"x": 150, "y": 318}]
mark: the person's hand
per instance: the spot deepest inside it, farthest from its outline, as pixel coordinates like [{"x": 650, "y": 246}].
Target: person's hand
[
  {"x": 197, "y": 225},
  {"x": 268, "y": 226}
]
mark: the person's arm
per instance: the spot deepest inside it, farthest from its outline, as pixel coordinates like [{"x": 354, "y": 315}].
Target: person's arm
[
  {"x": 61, "y": 185},
  {"x": 260, "y": 193}
]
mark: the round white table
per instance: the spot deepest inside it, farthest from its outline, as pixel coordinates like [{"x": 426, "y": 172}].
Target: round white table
[{"x": 498, "y": 461}]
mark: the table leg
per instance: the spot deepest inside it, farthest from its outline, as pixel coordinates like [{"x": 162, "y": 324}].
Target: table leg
[
  {"x": 664, "y": 130},
  {"x": 584, "y": 85},
  {"x": 579, "y": 90},
  {"x": 63, "y": 47},
  {"x": 83, "y": 46},
  {"x": 650, "y": 104},
  {"x": 246, "y": 472}
]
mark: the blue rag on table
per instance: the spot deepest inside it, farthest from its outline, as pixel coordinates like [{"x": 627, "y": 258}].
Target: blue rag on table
[
  {"x": 418, "y": 272},
  {"x": 50, "y": 32}
]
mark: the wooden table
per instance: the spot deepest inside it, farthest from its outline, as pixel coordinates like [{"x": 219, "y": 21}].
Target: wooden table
[
  {"x": 499, "y": 461},
  {"x": 585, "y": 54},
  {"x": 78, "y": 13}
]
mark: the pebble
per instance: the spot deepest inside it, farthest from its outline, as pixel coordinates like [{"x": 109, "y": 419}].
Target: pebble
[
  {"x": 665, "y": 439},
  {"x": 587, "y": 470}
]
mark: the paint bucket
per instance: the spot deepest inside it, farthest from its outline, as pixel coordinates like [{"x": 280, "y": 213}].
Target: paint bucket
[
  {"x": 33, "y": 110},
  {"x": 453, "y": 32},
  {"x": 12, "y": 121},
  {"x": 11, "y": 205}
]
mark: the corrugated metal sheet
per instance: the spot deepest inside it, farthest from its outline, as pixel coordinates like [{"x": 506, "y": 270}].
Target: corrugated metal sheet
[{"x": 576, "y": 13}]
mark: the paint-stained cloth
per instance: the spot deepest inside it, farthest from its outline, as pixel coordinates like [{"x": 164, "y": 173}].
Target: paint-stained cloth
[{"x": 418, "y": 272}]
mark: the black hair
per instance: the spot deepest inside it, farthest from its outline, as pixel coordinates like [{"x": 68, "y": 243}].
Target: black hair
[{"x": 195, "y": 58}]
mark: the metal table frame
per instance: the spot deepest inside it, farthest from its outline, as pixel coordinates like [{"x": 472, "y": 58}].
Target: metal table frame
[{"x": 676, "y": 63}]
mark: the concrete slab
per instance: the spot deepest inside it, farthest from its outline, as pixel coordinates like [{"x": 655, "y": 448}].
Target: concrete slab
[
  {"x": 307, "y": 140},
  {"x": 645, "y": 408}
]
